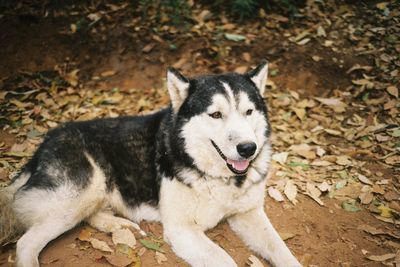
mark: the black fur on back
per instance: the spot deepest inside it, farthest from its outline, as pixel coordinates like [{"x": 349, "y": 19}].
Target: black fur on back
[{"x": 124, "y": 148}]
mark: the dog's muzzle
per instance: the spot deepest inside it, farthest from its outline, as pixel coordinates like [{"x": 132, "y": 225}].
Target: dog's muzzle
[{"x": 238, "y": 167}]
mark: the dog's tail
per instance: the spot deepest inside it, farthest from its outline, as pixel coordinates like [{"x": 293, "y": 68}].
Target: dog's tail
[{"x": 10, "y": 228}]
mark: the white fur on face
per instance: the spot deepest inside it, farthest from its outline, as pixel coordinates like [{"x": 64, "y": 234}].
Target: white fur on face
[{"x": 227, "y": 132}]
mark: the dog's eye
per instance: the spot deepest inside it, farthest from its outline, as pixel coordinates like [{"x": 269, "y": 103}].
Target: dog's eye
[
  {"x": 249, "y": 112},
  {"x": 216, "y": 115}
]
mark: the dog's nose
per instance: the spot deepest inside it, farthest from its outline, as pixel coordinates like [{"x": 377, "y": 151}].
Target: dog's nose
[{"x": 246, "y": 150}]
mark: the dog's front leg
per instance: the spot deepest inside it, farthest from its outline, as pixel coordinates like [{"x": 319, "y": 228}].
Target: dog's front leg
[
  {"x": 192, "y": 245},
  {"x": 258, "y": 233}
]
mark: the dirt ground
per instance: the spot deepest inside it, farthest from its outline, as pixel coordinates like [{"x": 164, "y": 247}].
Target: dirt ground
[{"x": 120, "y": 51}]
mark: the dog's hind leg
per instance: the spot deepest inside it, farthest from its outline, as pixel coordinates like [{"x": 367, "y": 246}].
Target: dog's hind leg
[
  {"x": 49, "y": 212},
  {"x": 37, "y": 237}
]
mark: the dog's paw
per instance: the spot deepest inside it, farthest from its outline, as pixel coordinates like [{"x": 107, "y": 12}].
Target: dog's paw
[
  {"x": 227, "y": 263},
  {"x": 26, "y": 261},
  {"x": 109, "y": 223},
  {"x": 220, "y": 259},
  {"x": 118, "y": 223}
]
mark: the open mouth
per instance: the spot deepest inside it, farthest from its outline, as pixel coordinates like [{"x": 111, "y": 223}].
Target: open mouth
[{"x": 236, "y": 166}]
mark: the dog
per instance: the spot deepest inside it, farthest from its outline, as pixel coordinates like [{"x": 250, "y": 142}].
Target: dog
[{"x": 201, "y": 160}]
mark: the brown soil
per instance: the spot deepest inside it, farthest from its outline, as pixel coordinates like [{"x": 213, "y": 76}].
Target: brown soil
[{"x": 324, "y": 236}]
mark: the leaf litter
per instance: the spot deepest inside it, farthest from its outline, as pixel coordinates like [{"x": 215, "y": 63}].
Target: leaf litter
[
  {"x": 123, "y": 250},
  {"x": 352, "y": 125},
  {"x": 319, "y": 125},
  {"x": 327, "y": 146}
]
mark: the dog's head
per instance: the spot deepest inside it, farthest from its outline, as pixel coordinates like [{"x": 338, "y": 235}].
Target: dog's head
[{"x": 221, "y": 121}]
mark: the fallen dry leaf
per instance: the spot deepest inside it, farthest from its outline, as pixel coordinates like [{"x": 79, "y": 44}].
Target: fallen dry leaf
[
  {"x": 391, "y": 195},
  {"x": 373, "y": 231},
  {"x": 343, "y": 160},
  {"x": 314, "y": 193},
  {"x": 124, "y": 236},
  {"x": 324, "y": 187},
  {"x": 331, "y": 101},
  {"x": 300, "y": 113},
  {"x": 72, "y": 77},
  {"x": 333, "y": 132},
  {"x": 125, "y": 249},
  {"x": 350, "y": 205},
  {"x": 385, "y": 211},
  {"x": 275, "y": 194},
  {"x": 253, "y": 261},
  {"x": 85, "y": 234},
  {"x": 108, "y": 73},
  {"x": 160, "y": 257},
  {"x": 246, "y": 56},
  {"x": 280, "y": 157},
  {"x": 291, "y": 191},
  {"x": 392, "y": 90},
  {"x": 387, "y": 220},
  {"x": 118, "y": 260},
  {"x": 378, "y": 190},
  {"x": 141, "y": 251},
  {"x": 73, "y": 28},
  {"x": 364, "y": 179},
  {"x": 366, "y": 198},
  {"x": 383, "y": 257},
  {"x": 148, "y": 48},
  {"x": 303, "y": 41},
  {"x": 359, "y": 67},
  {"x": 235, "y": 37},
  {"x": 303, "y": 150},
  {"x": 322, "y": 163},
  {"x": 285, "y": 236},
  {"x": 363, "y": 82},
  {"x": 241, "y": 69},
  {"x": 18, "y": 147},
  {"x": 316, "y": 58},
  {"x": 94, "y": 16},
  {"x": 393, "y": 160},
  {"x": 100, "y": 245}
]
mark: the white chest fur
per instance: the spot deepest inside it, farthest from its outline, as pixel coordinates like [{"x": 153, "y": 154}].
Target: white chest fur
[{"x": 207, "y": 201}]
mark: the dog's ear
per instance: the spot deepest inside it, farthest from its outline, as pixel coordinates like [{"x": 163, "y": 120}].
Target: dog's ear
[
  {"x": 259, "y": 76},
  {"x": 178, "y": 86}
]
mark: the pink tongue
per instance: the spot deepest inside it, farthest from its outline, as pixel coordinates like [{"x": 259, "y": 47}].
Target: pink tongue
[{"x": 239, "y": 165}]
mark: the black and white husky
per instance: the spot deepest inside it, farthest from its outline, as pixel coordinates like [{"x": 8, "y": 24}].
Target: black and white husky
[{"x": 201, "y": 160}]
